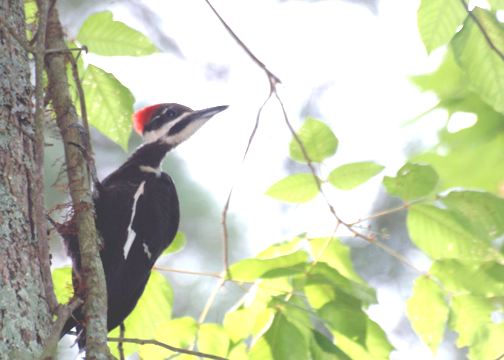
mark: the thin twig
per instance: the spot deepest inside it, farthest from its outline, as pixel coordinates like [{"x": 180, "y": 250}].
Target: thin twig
[
  {"x": 188, "y": 272},
  {"x": 211, "y": 300},
  {"x": 120, "y": 343},
  {"x": 87, "y": 134},
  {"x": 38, "y": 149},
  {"x": 483, "y": 30},
  {"x": 243, "y": 46},
  {"x": 165, "y": 346},
  {"x": 63, "y": 314}
]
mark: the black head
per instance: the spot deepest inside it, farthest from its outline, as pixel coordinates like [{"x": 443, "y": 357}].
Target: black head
[{"x": 171, "y": 123}]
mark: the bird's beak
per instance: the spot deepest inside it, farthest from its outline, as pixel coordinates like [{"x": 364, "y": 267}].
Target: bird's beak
[{"x": 205, "y": 114}]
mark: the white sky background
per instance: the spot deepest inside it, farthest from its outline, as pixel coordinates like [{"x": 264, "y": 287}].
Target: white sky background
[{"x": 363, "y": 61}]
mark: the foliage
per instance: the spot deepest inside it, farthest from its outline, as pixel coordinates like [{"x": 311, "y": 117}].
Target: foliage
[{"x": 305, "y": 299}]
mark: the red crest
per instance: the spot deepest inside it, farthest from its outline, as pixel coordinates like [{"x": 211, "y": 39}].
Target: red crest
[{"x": 142, "y": 117}]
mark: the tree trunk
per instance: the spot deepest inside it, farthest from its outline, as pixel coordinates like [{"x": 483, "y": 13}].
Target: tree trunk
[{"x": 25, "y": 318}]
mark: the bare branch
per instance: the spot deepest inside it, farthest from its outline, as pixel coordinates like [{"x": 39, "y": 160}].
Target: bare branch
[
  {"x": 63, "y": 314},
  {"x": 38, "y": 150},
  {"x": 120, "y": 344},
  {"x": 95, "y": 305},
  {"x": 165, "y": 346}
]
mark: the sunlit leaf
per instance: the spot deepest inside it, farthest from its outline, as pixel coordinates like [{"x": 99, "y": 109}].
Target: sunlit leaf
[
  {"x": 212, "y": 339},
  {"x": 469, "y": 315},
  {"x": 296, "y": 188},
  {"x": 483, "y": 66},
  {"x": 281, "y": 248},
  {"x": 412, "y": 181},
  {"x": 349, "y": 176},
  {"x": 448, "y": 81},
  {"x": 488, "y": 343},
  {"x": 180, "y": 332},
  {"x": 335, "y": 254},
  {"x": 483, "y": 211},
  {"x": 375, "y": 347},
  {"x": 62, "y": 282},
  {"x": 323, "y": 274},
  {"x": 109, "y": 105},
  {"x": 318, "y": 139},
  {"x": 428, "y": 312},
  {"x": 177, "y": 244},
  {"x": 474, "y": 277},
  {"x": 440, "y": 234},
  {"x": 438, "y": 20},
  {"x": 282, "y": 341},
  {"x": 105, "y": 36},
  {"x": 251, "y": 269},
  {"x": 153, "y": 308}
]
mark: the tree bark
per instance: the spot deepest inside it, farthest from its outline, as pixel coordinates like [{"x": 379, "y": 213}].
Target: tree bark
[{"x": 25, "y": 319}]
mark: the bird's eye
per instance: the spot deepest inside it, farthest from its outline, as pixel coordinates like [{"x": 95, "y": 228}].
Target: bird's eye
[{"x": 171, "y": 114}]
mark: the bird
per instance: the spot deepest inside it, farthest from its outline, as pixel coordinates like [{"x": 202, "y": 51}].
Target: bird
[{"x": 137, "y": 210}]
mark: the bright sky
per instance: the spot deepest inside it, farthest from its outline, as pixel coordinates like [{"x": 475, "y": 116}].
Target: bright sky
[{"x": 357, "y": 62}]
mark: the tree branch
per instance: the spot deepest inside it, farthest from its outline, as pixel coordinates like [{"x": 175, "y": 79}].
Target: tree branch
[
  {"x": 483, "y": 30},
  {"x": 63, "y": 314},
  {"x": 95, "y": 302},
  {"x": 165, "y": 346},
  {"x": 38, "y": 149}
]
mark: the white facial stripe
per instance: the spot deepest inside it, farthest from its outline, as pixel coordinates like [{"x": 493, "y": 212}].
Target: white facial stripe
[
  {"x": 154, "y": 135},
  {"x": 185, "y": 133},
  {"x": 131, "y": 232},
  {"x": 150, "y": 169},
  {"x": 147, "y": 251}
]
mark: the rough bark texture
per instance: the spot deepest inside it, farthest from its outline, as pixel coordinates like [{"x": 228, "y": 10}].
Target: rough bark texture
[
  {"x": 25, "y": 319},
  {"x": 95, "y": 306}
]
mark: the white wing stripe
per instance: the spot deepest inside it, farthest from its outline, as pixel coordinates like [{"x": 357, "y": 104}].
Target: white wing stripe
[{"x": 131, "y": 232}]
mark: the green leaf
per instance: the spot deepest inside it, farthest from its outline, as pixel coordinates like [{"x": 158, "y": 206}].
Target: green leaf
[
  {"x": 213, "y": 339},
  {"x": 323, "y": 274},
  {"x": 62, "y": 282},
  {"x": 412, "y": 181},
  {"x": 448, "y": 81},
  {"x": 321, "y": 348},
  {"x": 104, "y": 36},
  {"x": 474, "y": 277},
  {"x": 438, "y": 20},
  {"x": 428, "y": 312},
  {"x": 318, "y": 139},
  {"x": 282, "y": 341},
  {"x": 335, "y": 254},
  {"x": 440, "y": 234},
  {"x": 349, "y": 176},
  {"x": 337, "y": 315},
  {"x": 177, "y": 244},
  {"x": 483, "y": 211},
  {"x": 497, "y": 4},
  {"x": 469, "y": 315},
  {"x": 375, "y": 347},
  {"x": 153, "y": 308},
  {"x": 281, "y": 248},
  {"x": 252, "y": 269},
  {"x": 488, "y": 343},
  {"x": 109, "y": 105},
  {"x": 485, "y": 160},
  {"x": 483, "y": 66},
  {"x": 296, "y": 188},
  {"x": 180, "y": 332}
]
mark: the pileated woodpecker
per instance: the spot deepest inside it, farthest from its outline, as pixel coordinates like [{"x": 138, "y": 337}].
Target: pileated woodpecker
[{"x": 137, "y": 209}]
